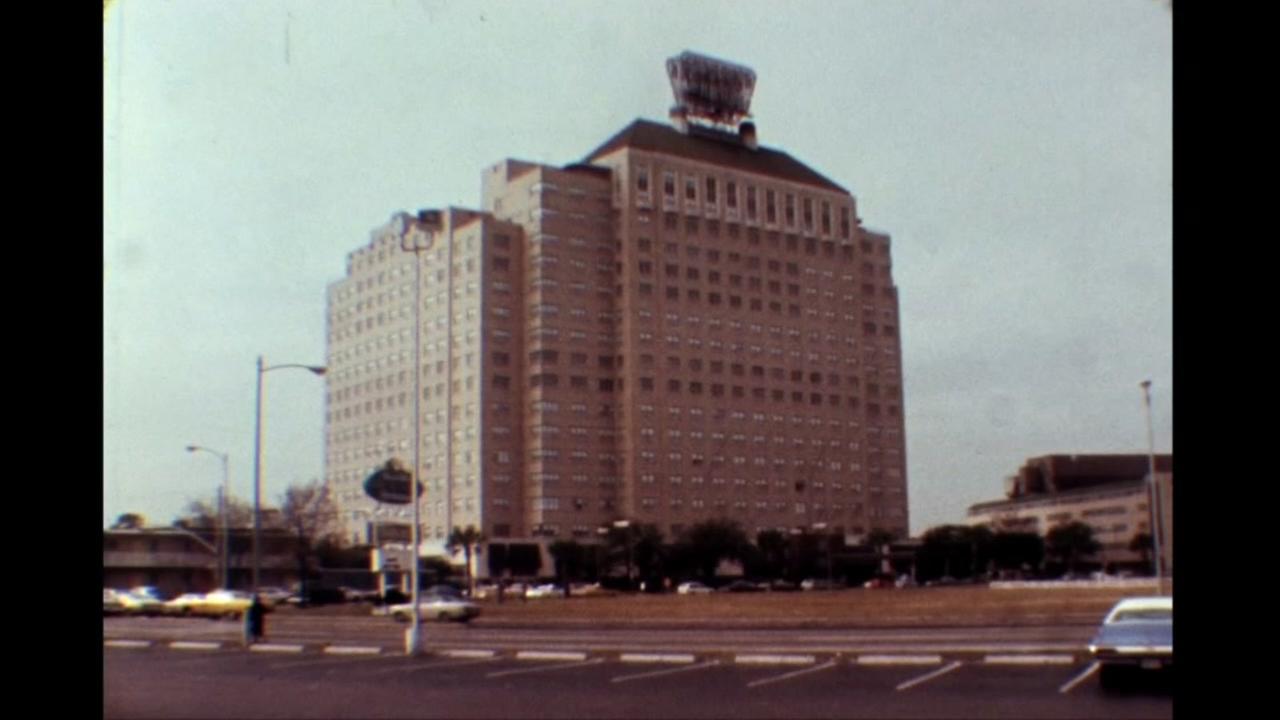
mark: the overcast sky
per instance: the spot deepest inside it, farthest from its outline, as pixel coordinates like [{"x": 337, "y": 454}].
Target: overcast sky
[{"x": 1018, "y": 152}]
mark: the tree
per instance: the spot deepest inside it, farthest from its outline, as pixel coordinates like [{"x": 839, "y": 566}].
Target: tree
[
  {"x": 309, "y": 514},
  {"x": 468, "y": 540},
  {"x": 569, "y": 556},
  {"x": 129, "y": 521},
  {"x": 1143, "y": 544},
  {"x": 1015, "y": 550},
  {"x": 712, "y": 541},
  {"x": 203, "y": 514},
  {"x": 1070, "y": 542},
  {"x": 771, "y": 548}
]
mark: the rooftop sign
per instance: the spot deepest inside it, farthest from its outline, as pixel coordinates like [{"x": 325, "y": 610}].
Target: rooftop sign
[{"x": 711, "y": 89}]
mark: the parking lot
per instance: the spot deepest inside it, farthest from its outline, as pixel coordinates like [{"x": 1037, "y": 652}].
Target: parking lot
[{"x": 160, "y": 680}]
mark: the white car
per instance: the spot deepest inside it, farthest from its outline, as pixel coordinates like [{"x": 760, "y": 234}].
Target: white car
[
  {"x": 692, "y": 588},
  {"x": 544, "y": 591},
  {"x": 436, "y": 607}
]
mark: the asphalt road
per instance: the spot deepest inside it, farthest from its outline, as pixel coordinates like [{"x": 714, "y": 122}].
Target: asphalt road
[
  {"x": 157, "y": 681},
  {"x": 321, "y": 630}
]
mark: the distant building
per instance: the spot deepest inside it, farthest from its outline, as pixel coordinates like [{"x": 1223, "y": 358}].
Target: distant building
[
  {"x": 1110, "y": 493},
  {"x": 177, "y": 560}
]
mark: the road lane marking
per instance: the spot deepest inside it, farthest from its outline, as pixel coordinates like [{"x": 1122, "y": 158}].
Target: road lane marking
[
  {"x": 128, "y": 643},
  {"x": 549, "y": 655},
  {"x": 563, "y": 666},
  {"x": 795, "y": 673},
  {"x": 469, "y": 653},
  {"x": 774, "y": 659},
  {"x": 276, "y": 648},
  {"x": 654, "y": 658},
  {"x": 899, "y": 659},
  {"x": 192, "y": 645},
  {"x": 1070, "y": 685},
  {"x": 352, "y": 650},
  {"x": 427, "y": 666},
  {"x": 1029, "y": 659},
  {"x": 926, "y": 678},
  {"x": 668, "y": 671}
]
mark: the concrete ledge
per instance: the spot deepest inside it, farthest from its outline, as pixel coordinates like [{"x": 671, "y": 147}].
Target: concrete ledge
[
  {"x": 899, "y": 659},
  {"x": 549, "y": 655},
  {"x": 773, "y": 659},
  {"x": 655, "y": 658}
]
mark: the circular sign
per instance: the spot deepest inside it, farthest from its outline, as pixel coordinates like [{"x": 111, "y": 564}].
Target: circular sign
[{"x": 391, "y": 485}]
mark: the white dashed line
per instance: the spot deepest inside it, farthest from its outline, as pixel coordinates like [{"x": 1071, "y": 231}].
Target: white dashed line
[
  {"x": 668, "y": 671},
  {"x": 351, "y": 650},
  {"x": 469, "y": 653},
  {"x": 127, "y": 643},
  {"x": 899, "y": 659},
  {"x": 189, "y": 645},
  {"x": 774, "y": 659},
  {"x": 502, "y": 673},
  {"x": 765, "y": 681},
  {"x": 654, "y": 658},
  {"x": 276, "y": 648},
  {"x": 549, "y": 655},
  {"x": 1029, "y": 659},
  {"x": 1070, "y": 685},
  {"x": 926, "y": 678}
]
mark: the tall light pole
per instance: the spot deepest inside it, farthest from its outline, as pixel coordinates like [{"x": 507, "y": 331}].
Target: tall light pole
[
  {"x": 1154, "y": 491},
  {"x": 257, "y": 462},
  {"x": 414, "y": 240},
  {"x": 224, "y": 494}
]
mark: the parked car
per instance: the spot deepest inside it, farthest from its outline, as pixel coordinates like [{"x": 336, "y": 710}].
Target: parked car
[
  {"x": 547, "y": 590},
  {"x": 1136, "y": 635},
  {"x": 184, "y": 604},
  {"x": 741, "y": 586},
  {"x": 223, "y": 604},
  {"x": 692, "y": 588},
  {"x": 817, "y": 584},
  {"x": 112, "y": 603},
  {"x": 272, "y": 596},
  {"x": 136, "y": 603},
  {"x": 436, "y": 607}
]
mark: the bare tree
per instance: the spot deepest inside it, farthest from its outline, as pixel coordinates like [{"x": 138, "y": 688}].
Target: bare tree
[
  {"x": 309, "y": 514},
  {"x": 204, "y": 514},
  {"x": 129, "y": 521}
]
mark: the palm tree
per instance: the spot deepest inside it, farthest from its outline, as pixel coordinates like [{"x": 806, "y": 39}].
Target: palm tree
[{"x": 467, "y": 539}]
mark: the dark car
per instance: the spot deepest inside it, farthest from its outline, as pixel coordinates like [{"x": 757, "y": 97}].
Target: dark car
[
  {"x": 1137, "y": 635},
  {"x": 741, "y": 586}
]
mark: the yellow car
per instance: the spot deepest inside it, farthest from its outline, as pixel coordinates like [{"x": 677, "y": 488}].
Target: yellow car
[{"x": 223, "y": 604}]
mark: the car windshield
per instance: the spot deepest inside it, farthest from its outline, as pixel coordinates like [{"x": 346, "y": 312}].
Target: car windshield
[{"x": 1143, "y": 615}]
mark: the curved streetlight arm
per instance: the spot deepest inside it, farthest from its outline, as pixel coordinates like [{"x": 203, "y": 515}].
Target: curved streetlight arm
[
  {"x": 317, "y": 369},
  {"x": 224, "y": 552}
]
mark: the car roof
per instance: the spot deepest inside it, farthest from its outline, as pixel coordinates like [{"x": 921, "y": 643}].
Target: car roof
[{"x": 1145, "y": 603}]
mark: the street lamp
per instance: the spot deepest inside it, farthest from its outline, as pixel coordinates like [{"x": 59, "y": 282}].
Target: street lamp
[
  {"x": 1154, "y": 490},
  {"x": 821, "y": 527},
  {"x": 413, "y": 239},
  {"x": 626, "y": 525},
  {"x": 224, "y": 494},
  {"x": 257, "y": 462}
]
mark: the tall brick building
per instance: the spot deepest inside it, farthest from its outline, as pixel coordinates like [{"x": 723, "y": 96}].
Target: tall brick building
[{"x": 683, "y": 325}]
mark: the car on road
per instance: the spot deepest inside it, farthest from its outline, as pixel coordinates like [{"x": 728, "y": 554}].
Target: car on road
[
  {"x": 1136, "y": 635},
  {"x": 436, "y": 607},
  {"x": 273, "y": 596},
  {"x": 113, "y": 603},
  {"x": 693, "y": 588},
  {"x": 130, "y": 602},
  {"x": 817, "y": 584}
]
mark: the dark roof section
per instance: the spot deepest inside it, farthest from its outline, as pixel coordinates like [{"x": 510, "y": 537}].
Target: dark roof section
[{"x": 714, "y": 147}]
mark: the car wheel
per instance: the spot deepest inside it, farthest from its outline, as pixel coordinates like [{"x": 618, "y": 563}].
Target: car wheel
[{"x": 1109, "y": 677}]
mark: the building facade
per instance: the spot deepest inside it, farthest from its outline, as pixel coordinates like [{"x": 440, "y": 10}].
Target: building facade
[
  {"x": 1110, "y": 493},
  {"x": 684, "y": 325}
]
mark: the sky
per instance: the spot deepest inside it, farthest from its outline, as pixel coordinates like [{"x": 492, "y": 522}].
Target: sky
[{"x": 1018, "y": 152}]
